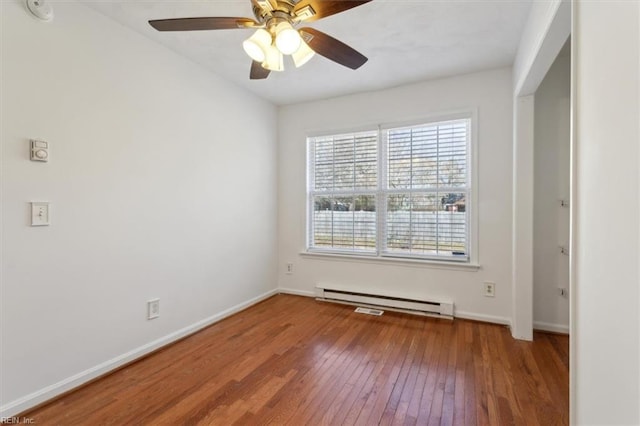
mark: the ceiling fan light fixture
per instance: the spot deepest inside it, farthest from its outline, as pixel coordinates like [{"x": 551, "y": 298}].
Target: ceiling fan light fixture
[
  {"x": 275, "y": 33},
  {"x": 287, "y": 38},
  {"x": 257, "y": 45},
  {"x": 302, "y": 55},
  {"x": 274, "y": 60}
]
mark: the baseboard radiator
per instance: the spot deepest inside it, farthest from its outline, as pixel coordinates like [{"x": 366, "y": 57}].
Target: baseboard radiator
[{"x": 350, "y": 296}]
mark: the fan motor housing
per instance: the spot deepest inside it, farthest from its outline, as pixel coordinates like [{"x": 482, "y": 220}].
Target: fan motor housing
[{"x": 284, "y": 6}]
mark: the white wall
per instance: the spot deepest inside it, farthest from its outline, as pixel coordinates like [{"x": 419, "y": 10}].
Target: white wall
[
  {"x": 152, "y": 159},
  {"x": 606, "y": 322},
  {"x": 491, "y": 93},
  {"x": 546, "y": 31},
  {"x": 551, "y": 184},
  {"x": 547, "y": 28},
  {"x": 522, "y": 218}
]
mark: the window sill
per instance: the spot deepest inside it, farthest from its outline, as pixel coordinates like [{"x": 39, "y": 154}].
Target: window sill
[{"x": 416, "y": 263}]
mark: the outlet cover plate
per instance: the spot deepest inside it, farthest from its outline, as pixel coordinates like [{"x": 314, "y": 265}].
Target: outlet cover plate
[
  {"x": 153, "y": 308},
  {"x": 489, "y": 289}
]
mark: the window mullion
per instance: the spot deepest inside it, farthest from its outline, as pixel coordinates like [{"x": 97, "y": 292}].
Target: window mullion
[
  {"x": 410, "y": 193},
  {"x": 437, "y": 189},
  {"x": 381, "y": 202},
  {"x": 353, "y": 215},
  {"x": 333, "y": 188}
]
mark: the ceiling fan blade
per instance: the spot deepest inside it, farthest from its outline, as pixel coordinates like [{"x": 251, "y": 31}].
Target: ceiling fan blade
[
  {"x": 258, "y": 72},
  {"x": 324, "y": 8},
  {"x": 333, "y": 49},
  {"x": 200, "y": 24}
]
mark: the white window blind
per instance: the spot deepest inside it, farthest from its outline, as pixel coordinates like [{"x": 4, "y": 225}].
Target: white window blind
[
  {"x": 399, "y": 191},
  {"x": 426, "y": 190},
  {"x": 343, "y": 180}
]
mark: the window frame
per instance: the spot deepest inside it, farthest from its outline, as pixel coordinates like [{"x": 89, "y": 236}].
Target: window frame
[{"x": 471, "y": 259}]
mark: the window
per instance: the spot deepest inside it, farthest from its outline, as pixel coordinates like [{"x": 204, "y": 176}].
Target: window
[
  {"x": 397, "y": 191},
  {"x": 343, "y": 191}
]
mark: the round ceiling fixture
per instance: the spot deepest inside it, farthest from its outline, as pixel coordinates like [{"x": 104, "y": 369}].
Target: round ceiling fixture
[{"x": 40, "y": 9}]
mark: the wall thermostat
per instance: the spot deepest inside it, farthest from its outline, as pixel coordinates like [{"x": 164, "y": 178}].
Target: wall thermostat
[{"x": 39, "y": 150}]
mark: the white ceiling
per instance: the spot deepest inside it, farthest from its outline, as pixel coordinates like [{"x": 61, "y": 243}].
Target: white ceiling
[{"x": 405, "y": 40}]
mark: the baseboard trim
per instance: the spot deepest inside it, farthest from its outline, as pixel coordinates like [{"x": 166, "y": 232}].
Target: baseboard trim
[
  {"x": 296, "y": 292},
  {"x": 50, "y": 392},
  {"x": 482, "y": 318},
  {"x": 553, "y": 328}
]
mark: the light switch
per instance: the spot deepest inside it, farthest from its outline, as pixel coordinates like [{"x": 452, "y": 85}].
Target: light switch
[{"x": 40, "y": 214}]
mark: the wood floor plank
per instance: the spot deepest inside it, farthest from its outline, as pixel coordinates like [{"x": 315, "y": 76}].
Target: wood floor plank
[
  {"x": 408, "y": 389},
  {"x": 448, "y": 401},
  {"x": 459, "y": 383},
  {"x": 413, "y": 409},
  {"x": 293, "y": 360},
  {"x": 403, "y": 376},
  {"x": 340, "y": 398},
  {"x": 368, "y": 409},
  {"x": 321, "y": 394},
  {"x": 430, "y": 386},
  {"x": 437, "y": 398},
  {"x": 373, "y": 393},
  {"x": 470, "y": 416}
]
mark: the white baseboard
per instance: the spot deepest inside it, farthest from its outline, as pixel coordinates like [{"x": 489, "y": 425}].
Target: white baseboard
[
  {"x": 296, "y": 292},
  {"x": 26, "y": 402},
  {"x": 482, "y": 317},
  {"x": 555, "y": 328}
]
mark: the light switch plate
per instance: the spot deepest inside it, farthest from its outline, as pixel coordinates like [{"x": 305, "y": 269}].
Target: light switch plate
[
  {"x": 39, "y": 150},
  {"x": 40, "y": 214}
]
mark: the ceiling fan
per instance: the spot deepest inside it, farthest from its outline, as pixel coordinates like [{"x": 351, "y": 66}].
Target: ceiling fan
[{"x": 276, "y": 35}]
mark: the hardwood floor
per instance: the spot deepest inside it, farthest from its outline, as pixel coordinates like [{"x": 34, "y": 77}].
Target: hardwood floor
[{"x": 292, "y": 360}]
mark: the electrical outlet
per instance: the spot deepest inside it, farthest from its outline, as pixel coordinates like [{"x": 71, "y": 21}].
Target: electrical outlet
[
  {"x": 489, "y": 289},
  {"x": 153, "y": 308},
  {"x": 289, "y": 268}
]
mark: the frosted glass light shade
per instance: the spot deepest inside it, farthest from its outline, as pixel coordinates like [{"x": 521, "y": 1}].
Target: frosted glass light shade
[
  {"x": 274, "y": 60},
  {"x": 287, "y": 38},
  {"x": 257, "y": 45},
  {"x": 302, "y": 55}
]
